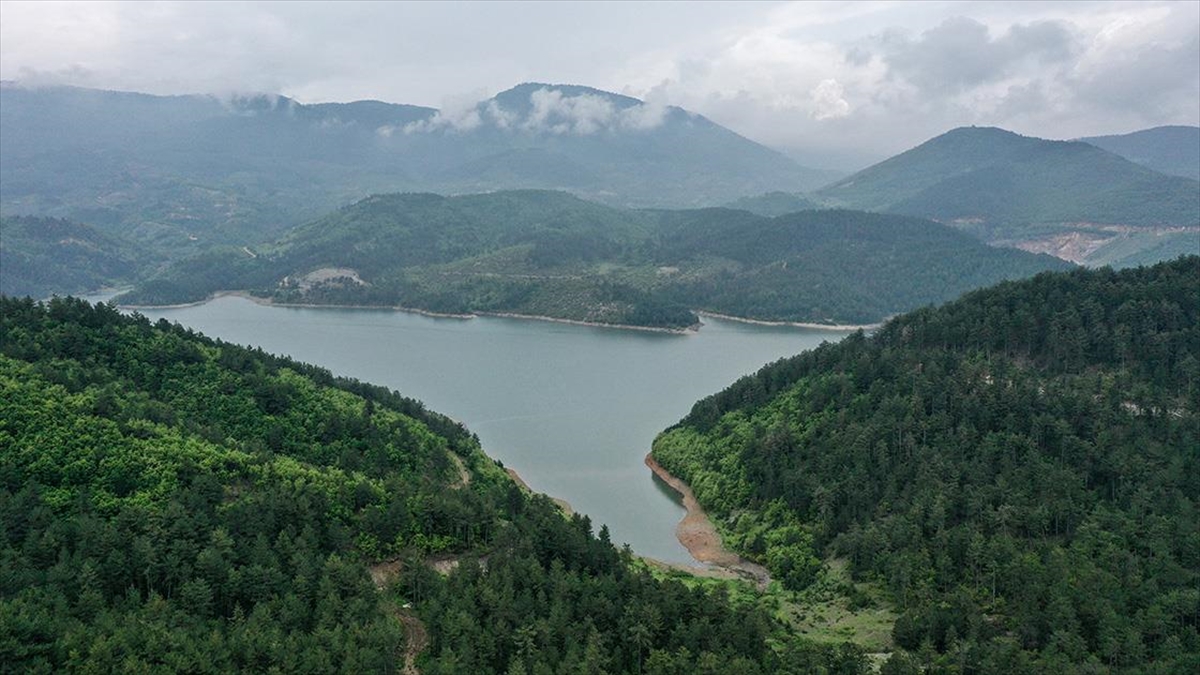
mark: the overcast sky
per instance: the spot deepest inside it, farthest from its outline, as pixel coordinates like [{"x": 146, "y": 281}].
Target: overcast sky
[{"x": 837, "y": 83}]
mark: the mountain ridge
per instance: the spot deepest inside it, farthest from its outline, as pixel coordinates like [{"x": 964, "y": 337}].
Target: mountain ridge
[
  {"x": 1027, "y": 192},
  {"x": 549, "y": 253},
  {"x": 1172, "y": 149},
  {"x": 184, "y": 173}
]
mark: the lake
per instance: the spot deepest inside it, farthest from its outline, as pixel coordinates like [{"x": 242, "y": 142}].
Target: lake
[{"x": 572, "y": 408}]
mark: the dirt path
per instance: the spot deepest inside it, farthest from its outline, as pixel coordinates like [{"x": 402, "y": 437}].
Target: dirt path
[
  {"x": 416, "y": 639},
  {"x": 700, "y": 537}
]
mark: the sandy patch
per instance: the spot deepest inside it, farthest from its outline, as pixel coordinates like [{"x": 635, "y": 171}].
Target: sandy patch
[{"x": 700, "y": 537}]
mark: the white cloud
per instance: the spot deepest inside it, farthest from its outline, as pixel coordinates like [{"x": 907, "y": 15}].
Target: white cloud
[
  {"x": 1059, "y": 69},
  {"x": 828, "y": 101},
  {"x": 549, "y": 111}
]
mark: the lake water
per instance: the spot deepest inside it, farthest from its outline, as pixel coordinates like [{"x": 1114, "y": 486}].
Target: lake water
[{"x": 572, "y": 408}]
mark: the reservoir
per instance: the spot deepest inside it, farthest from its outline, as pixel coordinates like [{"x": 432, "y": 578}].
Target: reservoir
[{"x": 571, "y": 408}]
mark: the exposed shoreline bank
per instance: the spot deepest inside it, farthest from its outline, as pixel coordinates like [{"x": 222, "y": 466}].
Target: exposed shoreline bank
[
  {"x": 699, "y": 535},
  {"x": 516, "y": 477},
  {"x": 790, "y": 324}
]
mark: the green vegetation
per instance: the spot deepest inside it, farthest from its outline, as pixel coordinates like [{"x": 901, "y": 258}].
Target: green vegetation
[
  {"x": 182, "y": 174},
  {"x": 171, "y": 503},
  {"x": 41, "y": 256},
  {"x": 1005, "y": 187},
  {"x": 1146, "y": 248},
  {"x": 1017, "y": 469},
  {"x": 1173, "y": 150},
  {"x": 548, "y": 253},
  {"x": 772, "y": 204}
]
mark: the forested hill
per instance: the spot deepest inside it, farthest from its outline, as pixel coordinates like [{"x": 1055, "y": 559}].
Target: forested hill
[
  {"x": 1172, "y": 150},
  {"x": 1018, "y": 467},
  {"x": 1071, "y": 199},
  {"x": 42, "y": 256},
  {"x": 171, "y": 503},
  {"x": 549, "y": 253},
  {"x": 181, "y": 174}
]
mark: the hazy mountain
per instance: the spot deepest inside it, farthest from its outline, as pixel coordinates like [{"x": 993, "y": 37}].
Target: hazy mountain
[
  {"x": 1173, "y": 150},
  {"x": 550, "y": 253},
  {"x": 1064, "y": 197},
  {"x": 44, "y": 256},
  {"x": 183, "y": 173},
  {"x": 774, "y": 203}
]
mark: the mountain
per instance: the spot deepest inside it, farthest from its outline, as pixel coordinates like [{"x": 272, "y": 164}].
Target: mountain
[
  {"x": 774, "y": 204},
  {"x": 44, "y": 256},
  {"x": 553, "y": 254},
  {"x": 1173, "y": 150},
  {"x": 1018, "y": 468},
  {"x": 184, "y": 173},
  {"x": 173, "y": 503},
  {"x": 1060, "y": 197}
]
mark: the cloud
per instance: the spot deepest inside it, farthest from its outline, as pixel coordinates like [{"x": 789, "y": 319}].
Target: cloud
[
  {"x": 549, "y": 111},
  {"x": 581, "y": 114},
  {"x": 828, "y": 101},
  {"x": 960, "y": 53},
  {"x": 898, "y": 73},
  {"x": 458, "y": 113}
]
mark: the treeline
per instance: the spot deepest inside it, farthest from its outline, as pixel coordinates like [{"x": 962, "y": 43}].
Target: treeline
[
  {"x": 548, "y": 253},
  {"x": 1018, "y": 468},
  {"x": 171, "y": 503}
]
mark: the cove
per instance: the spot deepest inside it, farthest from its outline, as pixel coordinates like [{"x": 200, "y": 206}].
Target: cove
[{"x": 571, "y": 408}]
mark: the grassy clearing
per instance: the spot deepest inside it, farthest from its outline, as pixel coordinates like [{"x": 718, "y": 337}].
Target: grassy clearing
[{"x": 834, "y": 610}]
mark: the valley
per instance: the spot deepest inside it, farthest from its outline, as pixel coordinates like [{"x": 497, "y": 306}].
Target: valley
[
  {"x": 573, "y": 409},
  {"x": 814, "y": 339}
]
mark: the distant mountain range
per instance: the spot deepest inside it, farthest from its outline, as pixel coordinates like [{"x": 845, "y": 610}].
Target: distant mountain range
[
  {"x": 553, "y": 254},
  {"x": 1173, "y": 150},
  {"x": 181, "y": 173},
  {"x": 1068, "y": 198}
]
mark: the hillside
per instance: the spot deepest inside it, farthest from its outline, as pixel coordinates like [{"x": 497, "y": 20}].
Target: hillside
[
  {"x": 774, "y": 204},
  {"x": 1065, "y": 198},
  {"x": 172, "y": 503},
  {"x": 1173, "y": 150},
  {"x": 43, "y": 256},
  {"x": 1018, "y": 468},
  {"x": 183, "y": 174},
  {"x": 551, "y": 254}
]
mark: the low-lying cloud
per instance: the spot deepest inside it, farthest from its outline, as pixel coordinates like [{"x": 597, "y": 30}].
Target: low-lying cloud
[
  {"x": 839, "y": 83},
  {"x": 550, "y": 111}
]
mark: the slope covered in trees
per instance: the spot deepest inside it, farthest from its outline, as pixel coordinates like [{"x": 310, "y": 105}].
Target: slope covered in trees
[
  {"x": 1019, "y": 468},
  {"x": 1172, "y": 150},
  {"x": 549, "y": 253},
  {"x": 182, "y": 174},
  {"x": 171, "y": 503},
  {"x": 41, "y": 256},
  {"x": 774, "y": 203},
  {"x": 1023, "y": 191}
]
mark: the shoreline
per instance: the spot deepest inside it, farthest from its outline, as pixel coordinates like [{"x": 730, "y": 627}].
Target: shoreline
[
  {"x": 790, "y": 324},
  {"x": 702, "y": 314},
  {"x": 516, "y": 478},
  {"x": 699, "y": 535},
  {"x": 595, "y": 324},
  {"x": 267, "y": 302}
]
